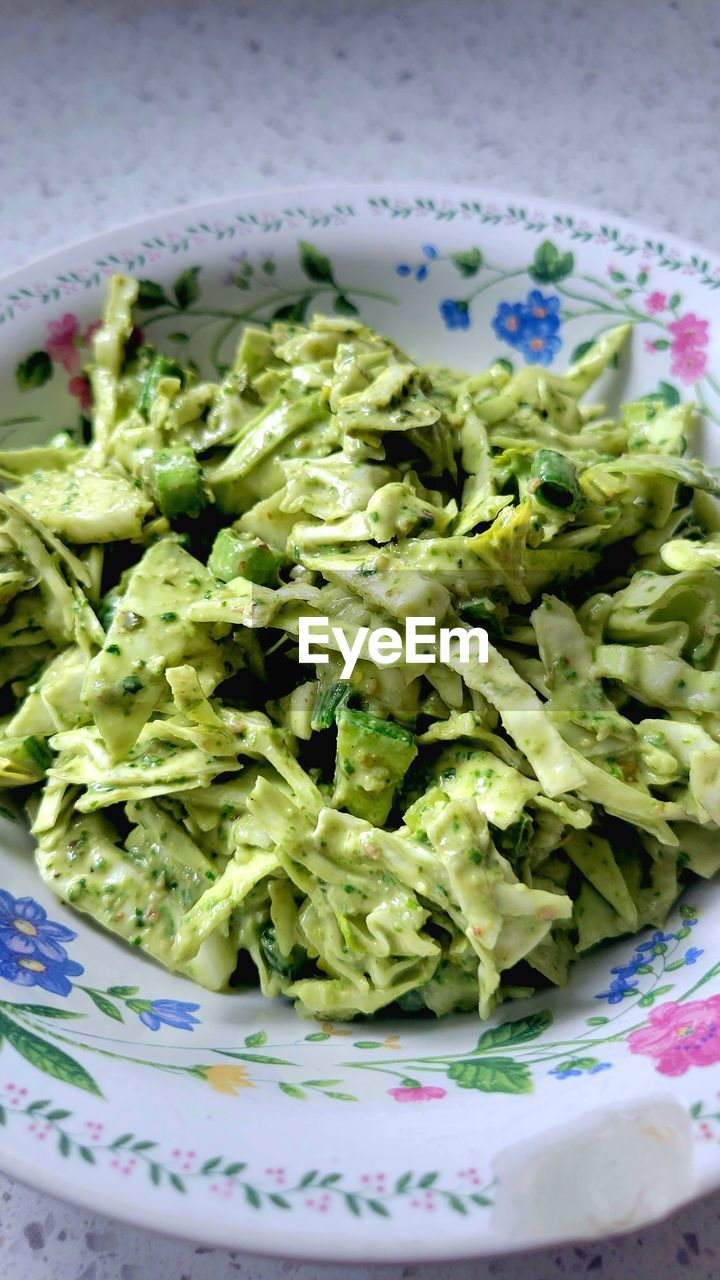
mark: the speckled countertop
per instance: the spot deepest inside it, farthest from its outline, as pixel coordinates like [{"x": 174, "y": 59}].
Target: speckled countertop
[{"x": 112, "y": 111}]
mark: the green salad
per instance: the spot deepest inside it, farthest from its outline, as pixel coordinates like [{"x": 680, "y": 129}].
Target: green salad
[{"x": 438, "y": 836}]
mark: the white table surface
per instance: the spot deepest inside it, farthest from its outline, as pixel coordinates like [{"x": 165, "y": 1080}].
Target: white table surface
[{"x": 111, "y": 110}]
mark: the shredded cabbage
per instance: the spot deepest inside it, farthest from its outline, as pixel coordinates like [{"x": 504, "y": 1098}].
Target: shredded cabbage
[{"x": 434, "y": 836}]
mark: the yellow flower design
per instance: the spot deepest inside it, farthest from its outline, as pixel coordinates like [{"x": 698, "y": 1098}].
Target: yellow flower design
[{"x": 228, "y": 1078}]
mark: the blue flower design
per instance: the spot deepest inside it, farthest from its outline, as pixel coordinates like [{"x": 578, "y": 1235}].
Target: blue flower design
[
  {"x": 26, "y": 930},
  {"x": 541, "y": 345},
  {"x": 542, "y": 307},
  {"x": 31, "y": 950},
  {"x": 508, "y": 322},
  {"x": 626, "y": 971},
  {"x": 455, "y": 313},
  {"x": 564, "y": 1073},
  {"x": 624, "y": 982},
  {"x": 658, "y": 939},
  {"x": 420, "y": 271},
  {"x": 578, "y": 1067},
  {"x": 170, "y": 1013},
  {"x": 532, "y": 326},
  {"x": 618, "y": 989}
]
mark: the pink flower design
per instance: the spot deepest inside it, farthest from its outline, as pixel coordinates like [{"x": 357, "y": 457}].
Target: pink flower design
[
  {"x": 80, "y": 387},
  {"x": 418, "y": 1093},
  {"x": 321, "y": 1205},
  {"x": 655, "y": 302},
  {"x": 688, "y": 331},
  {"x": 688, "y": 365},
  {"x": 223, "y": 1189},
  {"x": 427, "y": 1202},
  {"x": 679, "y": 1036},
  {"x": 63, "y": 342}
]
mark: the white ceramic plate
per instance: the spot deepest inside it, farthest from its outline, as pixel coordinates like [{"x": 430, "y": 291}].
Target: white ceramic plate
[{"x": 226, "y": 1117}]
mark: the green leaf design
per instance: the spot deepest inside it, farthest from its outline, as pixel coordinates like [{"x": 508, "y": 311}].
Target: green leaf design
[
  {"x": 403, "y": 1182},
  {"x": 142, "y": 1146},
  {"x": 47, "y": 1057},
  {"x": 340, "y": 1097},
  {"x": 187, "y": 288},
  {"x": 456, "y": 1203},
  {"x": 42, "y": 1010},
  {"x": 352, "y": 1203},
  {"x": 674, "y": 301},
  {"x": 34, "y": 371},
  {"x": 343, "y": 305},
  {"x": 579, "y": 351},
  {"x": 178, "y": 335},
  {"x": 308, "y": 1178},
  {"x": 379, "y": 1208},
  {"x": 666, "y": 392},
  {"x": 491, "y": 1075},
  {"x": 317, "y": 1036},
  {"x": 58, "y": 1115},
  {"x": 87, "y": 1155},
  {"x": 120, "y": 1142},
  {"x": 330, "y": 1179},
  {"x": 177, "y": 1182},
  {"x": 293, "y": 311},
  {"x": 209, "y": 1165},
  {"x": 279, "y": 1201},
  {"x": 121, "y": 992},
  {"x": 696, "y": 1110},
  {"x": 256, "y": 1039},
  {"x": 596, "y": 1022},
  {"x": 582, "y": 349},
  {"x": 151, "y": 295},
  {"x": 252, "y": 1196},
  {"x": 550, "y": 265},
  {"x": 105, "y": 1006},
  {"x": 155, "y": 1174},
  {"x": 231, "y": 1170},
  {"x": 521, "y": 1031},
  {"x": 291, "y": 1090},
  {"x": 269, "y": 267},
  {"x": 258, "y": 1057},
  {"x": 367, "y": 1044},
  {"x": 64, "y": 1145},
  {"x": 467, "y": 261},
  {"x": 315, "y": 264},
  {"x": 428, "y": 1179}
]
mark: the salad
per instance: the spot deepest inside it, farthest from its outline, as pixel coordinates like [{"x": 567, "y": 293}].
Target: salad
[{"x": 438, "y": 836}]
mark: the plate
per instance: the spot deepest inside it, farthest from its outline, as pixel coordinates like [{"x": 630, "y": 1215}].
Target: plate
[{"x": 226, "y": 1117}]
